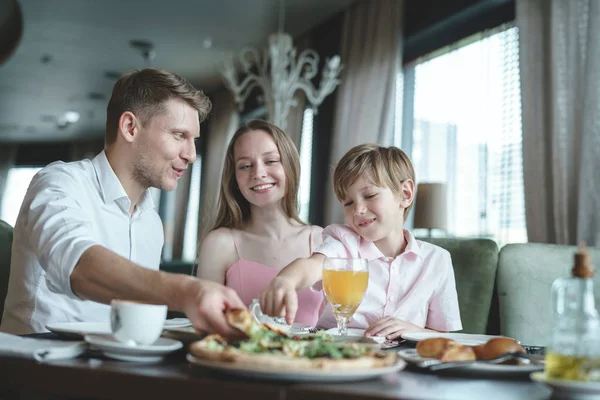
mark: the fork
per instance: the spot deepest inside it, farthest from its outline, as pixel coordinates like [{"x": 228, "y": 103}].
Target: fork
[{"x": 435, "y": 365}]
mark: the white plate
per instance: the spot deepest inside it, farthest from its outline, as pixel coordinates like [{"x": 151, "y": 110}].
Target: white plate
[
  {"x": 299, "y": 328},
  {"x": 175, "y": 323},
  {"x": 142, "y": 353},
  {"x": 564, "y": 386},
  {"x": 81, "y": 328},
  {"x": 412, "y": 357},
  {"x": 103, "y": 328},
  {"x": 466, "y": 339},
  {"x": 297, "y": 376},
  {"x": 356, "y": 332}
]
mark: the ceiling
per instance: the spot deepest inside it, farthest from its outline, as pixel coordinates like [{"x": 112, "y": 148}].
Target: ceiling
[{"x": 72, "y": 49}]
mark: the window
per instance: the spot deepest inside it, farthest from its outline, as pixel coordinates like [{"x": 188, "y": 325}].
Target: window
[
  {"x": 190, "y": 235},
  {"x": 17, "y": 182},
  {"x": 466, "y": 131},
  {"x": 305, "y": 164}
]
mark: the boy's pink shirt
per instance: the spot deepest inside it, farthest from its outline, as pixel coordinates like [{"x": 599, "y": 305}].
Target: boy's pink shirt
[{"x": 417, "y": 286}]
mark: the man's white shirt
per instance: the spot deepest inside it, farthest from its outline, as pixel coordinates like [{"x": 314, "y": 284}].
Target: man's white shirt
[{"x": 68, "y": 208}]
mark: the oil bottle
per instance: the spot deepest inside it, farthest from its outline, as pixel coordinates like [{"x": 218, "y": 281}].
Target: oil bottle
[{"x": 574, "y": 345}]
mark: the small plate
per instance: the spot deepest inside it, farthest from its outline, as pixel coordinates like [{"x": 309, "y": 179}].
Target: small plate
[
  {"x": 299, "y": 328},
  {"x": 411, "y": 356},
  {"x": 80, "y": 328},
  {"x": 466, "y": 339},
  {"x": 111, "y": 347},
  {"x": 567, "y": 386},
  {"x": 177, "y": 323},
  {"x": 297, "y": 376},
  {"x": 357, "y": 332},
  {"x": 103, "y": 328}
]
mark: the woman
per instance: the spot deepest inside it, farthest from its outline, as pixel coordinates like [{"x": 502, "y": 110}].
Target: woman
[{"x": 257, "y": 230}]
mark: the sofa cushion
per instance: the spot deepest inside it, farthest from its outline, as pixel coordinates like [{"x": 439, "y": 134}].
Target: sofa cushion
[
  {"x": 475, "y": 262},
  {"x": 525, "y": 276}
]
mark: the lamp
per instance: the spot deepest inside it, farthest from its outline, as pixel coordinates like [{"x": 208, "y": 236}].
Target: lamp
[
  {"x": 279, "y": 75},
  {"x": 430, "y": 207}
]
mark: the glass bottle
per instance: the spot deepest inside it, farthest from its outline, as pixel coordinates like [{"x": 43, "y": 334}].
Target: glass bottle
[{"x": 575, "y": 341}]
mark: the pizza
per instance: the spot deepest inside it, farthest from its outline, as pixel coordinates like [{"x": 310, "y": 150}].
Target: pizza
[{"x": 267, "y": 346}]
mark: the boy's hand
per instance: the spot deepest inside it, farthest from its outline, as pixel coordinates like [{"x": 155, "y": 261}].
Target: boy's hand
[
  {"x": 280, "y": 299},
  {"x": 391, "y": 328}
]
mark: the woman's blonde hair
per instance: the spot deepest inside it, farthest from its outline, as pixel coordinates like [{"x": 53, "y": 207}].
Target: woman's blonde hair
[
  {"x": 233, "y": 210},
  {"x": 387, "y": 166}
]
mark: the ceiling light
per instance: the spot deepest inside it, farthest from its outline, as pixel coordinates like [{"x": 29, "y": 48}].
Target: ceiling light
[
  {"x": 279, "y": 74},
  {"x": 71, "y": 117}
]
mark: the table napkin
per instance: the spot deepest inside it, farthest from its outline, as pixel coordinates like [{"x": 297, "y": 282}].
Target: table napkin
[{"x": 39, "y": 349}]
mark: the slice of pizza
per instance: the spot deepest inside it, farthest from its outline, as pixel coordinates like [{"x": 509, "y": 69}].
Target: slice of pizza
[{"x": 268, "y": 347}]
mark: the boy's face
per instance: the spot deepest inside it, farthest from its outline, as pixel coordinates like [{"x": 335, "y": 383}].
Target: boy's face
[{"x": 374, "y": 212}]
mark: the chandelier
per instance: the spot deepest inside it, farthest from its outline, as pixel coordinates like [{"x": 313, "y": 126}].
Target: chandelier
[{"x": 279, "y": 74}]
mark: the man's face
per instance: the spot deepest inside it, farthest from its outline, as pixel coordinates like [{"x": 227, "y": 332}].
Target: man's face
[{"x": 166, "y": 145}]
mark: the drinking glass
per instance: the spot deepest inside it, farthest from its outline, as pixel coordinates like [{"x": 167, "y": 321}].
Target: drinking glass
[{"x": 345, "y": 281}]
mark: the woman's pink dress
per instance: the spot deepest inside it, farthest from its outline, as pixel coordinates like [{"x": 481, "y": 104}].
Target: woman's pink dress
[{"x": 249, "y": 278}]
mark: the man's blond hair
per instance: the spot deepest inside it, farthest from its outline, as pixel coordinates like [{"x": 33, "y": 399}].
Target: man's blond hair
[
  {"x": 386, "y": 166},
  {"x": 144, "y": 93}
]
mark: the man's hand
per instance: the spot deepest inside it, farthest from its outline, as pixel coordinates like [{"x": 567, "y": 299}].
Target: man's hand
[
  {"x": 205, "y": 303},
  {"x": 391, "y": 328},
  {"x": 280, "y": 299}
]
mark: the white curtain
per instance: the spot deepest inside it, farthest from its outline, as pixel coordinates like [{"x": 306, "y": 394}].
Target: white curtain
[
  {"x": 296, "y": 114},
  {"x": 223, "y": 122},
  {"x": 294, "y": 119},
  {"x": 7, "y": 160},
  {"x": 365, "y": 104},
  {"x": 182, "y": 198},
  {"x": 560, "y": 84}
]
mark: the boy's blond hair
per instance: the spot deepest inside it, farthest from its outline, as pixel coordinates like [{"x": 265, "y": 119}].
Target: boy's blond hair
[{"x": 387, "y": 166}]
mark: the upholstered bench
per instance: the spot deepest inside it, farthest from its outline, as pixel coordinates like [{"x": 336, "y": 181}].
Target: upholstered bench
[
  {"x": 475, "y": 262},
  {"x": 524, "y": 282}
]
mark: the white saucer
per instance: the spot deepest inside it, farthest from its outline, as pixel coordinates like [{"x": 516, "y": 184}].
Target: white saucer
[
  {"x": 564, "y": 386},
  {"x": 356, "y": 332},
  {"x": 111, "y": 347}
]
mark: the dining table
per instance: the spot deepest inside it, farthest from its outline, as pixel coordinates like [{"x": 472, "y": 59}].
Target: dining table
[{"x": 92, "y": 375}]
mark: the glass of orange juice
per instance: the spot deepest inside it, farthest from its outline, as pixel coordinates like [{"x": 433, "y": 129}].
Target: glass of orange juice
[{"x": 345, "y": 281}]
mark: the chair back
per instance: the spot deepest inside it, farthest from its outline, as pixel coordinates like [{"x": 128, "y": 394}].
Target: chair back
[
  {"x": 475, "y": 262},
  {"x": 6, "y": 238},
  {"x": 525, "y": 276}
]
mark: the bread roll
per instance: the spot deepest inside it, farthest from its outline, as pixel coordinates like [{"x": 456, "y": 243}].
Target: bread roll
[
  {"x": 498, "y": 346},
  {"x": 457, "y": 353},
  {"x": 479, "y": 351},
  {"x": 433, "y": 347}
]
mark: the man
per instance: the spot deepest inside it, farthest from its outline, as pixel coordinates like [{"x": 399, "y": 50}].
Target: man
[{"x": 87, "y": 231}]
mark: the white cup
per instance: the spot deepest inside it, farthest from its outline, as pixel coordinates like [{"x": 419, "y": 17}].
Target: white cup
[{"x": 137, "y": 323}]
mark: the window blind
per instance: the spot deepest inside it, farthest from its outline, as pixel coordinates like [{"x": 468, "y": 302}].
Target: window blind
[
  {"x": 465, "y": 111},
  {"x": 306, "y": 142}
]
